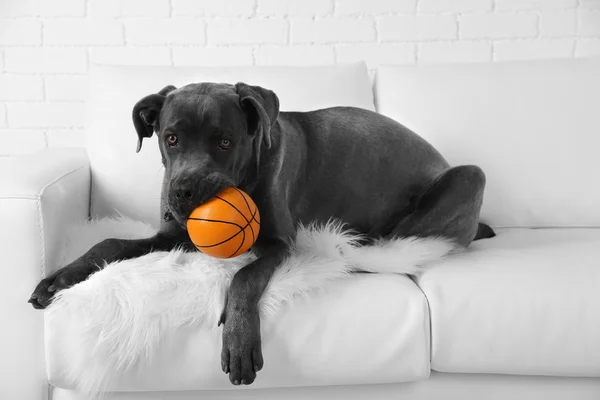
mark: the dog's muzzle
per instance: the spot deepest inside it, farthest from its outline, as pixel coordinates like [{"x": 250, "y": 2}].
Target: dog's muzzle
[{"x": 186, "y": 193}]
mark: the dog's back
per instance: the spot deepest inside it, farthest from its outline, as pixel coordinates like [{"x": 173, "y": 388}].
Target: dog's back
[{"x": 358, "y": 166}]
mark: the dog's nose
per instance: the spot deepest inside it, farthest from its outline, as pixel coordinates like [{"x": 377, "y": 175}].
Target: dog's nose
[{"x": 185, "y": 196}]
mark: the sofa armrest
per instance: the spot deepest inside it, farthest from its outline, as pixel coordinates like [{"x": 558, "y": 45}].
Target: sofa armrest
[{"x": 40, "y": 195}]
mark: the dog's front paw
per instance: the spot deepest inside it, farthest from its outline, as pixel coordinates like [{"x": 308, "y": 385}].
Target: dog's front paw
[
  {"x": 241, "y": 356},
  {"x": 61, "y": 279}
]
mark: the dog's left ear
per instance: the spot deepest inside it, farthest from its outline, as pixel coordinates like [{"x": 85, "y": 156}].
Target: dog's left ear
[
  {"x": 262, "y": 108},
  {"x": 146, "y": 112}
]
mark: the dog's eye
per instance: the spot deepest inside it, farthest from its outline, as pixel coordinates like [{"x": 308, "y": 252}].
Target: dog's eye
[
  {"x": 224, "y": 143},
  {"x": 171, "y": 140}
]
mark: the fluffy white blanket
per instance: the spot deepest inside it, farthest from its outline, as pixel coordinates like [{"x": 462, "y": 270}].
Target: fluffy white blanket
[{"x": 118, "y": 316}]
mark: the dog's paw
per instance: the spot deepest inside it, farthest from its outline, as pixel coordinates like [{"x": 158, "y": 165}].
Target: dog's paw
[
  {"x": 63, "y": 278},
  {"x": 241, "y": 356}
]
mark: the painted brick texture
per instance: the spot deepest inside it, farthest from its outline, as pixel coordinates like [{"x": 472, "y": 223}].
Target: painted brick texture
[{"x": 47, "y": 47}]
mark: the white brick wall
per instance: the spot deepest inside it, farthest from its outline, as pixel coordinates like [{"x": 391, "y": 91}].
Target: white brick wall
[
  {"x": 529, "y": 49},
  {"x": 3, "y": 117},
  {"x": 47, "y": 46},
  {"x": 21, "y": 88},
  {"x": 164, "y": 31},
  {"x": 295, "y": 8},
  {"x": 15, "y": 32},
  {"x": 498, "y": 25},
  {"x": 42, "y": 115},
  {"x": 229, "y": 31},
  {"x": 333, "y": 30},
  {"x": 558, "y": 23},
  {"x": 82, "y": 32},
  {"x": 211, "y": 8},
  {"x": 213, "y": 56},
  {"x": 295, "y": 55},
  {"x": 451, "y": 52},
  {"x": 374, "y": 54},
  {"x": 65, "y": 87},
  {"x": 415, "y": 28},
  {"x": 47, "y": 60},
  {"x": 374, "y": 7},
  {"x": 128, "y": 8},
  {"x": 455, "y": 6}
]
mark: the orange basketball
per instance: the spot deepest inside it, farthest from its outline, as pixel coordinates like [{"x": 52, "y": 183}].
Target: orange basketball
[{"x": 226, "y": 225}]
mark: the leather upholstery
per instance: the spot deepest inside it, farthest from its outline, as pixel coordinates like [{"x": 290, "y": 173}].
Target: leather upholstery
[
  {"x": 40, "y": 194},
  {"x": 526, "y": 302},
  {"x": 532, "y": 126},
  {"x": 364, "y": 329},
  {"x": 438, "y": 386}
]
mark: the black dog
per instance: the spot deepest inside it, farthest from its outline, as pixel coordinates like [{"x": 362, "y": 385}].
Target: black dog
[{"x": 351, "y": 164}]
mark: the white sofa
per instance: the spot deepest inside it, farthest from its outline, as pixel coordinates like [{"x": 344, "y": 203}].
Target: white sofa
[{"x": 517, "y": 316}]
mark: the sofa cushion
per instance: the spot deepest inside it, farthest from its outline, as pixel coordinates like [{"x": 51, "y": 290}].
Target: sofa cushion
[
  {"x": 526, "y": 302},
  {"x": 128, "y": 183},
  {"x": 363, "y": 329},
  {"x": 532, "y": 126}
]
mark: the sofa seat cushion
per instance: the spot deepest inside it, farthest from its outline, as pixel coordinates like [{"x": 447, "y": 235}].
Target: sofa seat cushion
[
  {"x": 524, "y": 302},
  {"x": 363, "y": 329}
]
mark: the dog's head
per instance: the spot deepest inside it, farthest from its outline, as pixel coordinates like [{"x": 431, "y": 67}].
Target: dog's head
[{"x": 210, "y": 137}]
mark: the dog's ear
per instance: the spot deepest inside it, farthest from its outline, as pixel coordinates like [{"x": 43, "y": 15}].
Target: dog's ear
[
  {"x": 262, "y": 108},
  {"x": 145, "y": 114}
]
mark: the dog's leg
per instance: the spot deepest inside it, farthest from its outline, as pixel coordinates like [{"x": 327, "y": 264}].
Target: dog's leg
[
  {"x": 484, "y": 231},
  {"x": 241, "y": 356},
  {"x": 107, "y": 251},
  {"x": 449, "y": 207},
  {"x": 169, "y": 236}
]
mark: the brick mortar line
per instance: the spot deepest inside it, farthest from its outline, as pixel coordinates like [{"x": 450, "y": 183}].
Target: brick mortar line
[
  {"x": 44, "y": 91},
  {"x": 45, "y": 101},
  {"x": 205, "y": 31},
  {"x": 43, "y": 74},
  {"x": 45, "y": 137},
  {"x": 44, "y": 17},
  {"x": 42, "y": 129},
  {"x": 5, "y": 108},
  {"x": 42, "y": 29},
  {"x": 254, "y": 9},
  {"x": 377, "y": 31},
  {"x": 171, "y": 56},
  {"x": 253, "y": 55},
  {"x": 123, "y": 33},
  {"x": 577, "y": 17},
  {"x": 60, "y": 46}
]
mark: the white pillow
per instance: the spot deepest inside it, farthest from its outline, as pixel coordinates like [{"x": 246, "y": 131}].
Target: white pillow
[
  {"x": 128, "y": 183},
  {"x": 532, "y": 126}
]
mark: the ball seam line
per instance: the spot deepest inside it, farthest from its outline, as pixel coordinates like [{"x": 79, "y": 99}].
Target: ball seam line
[
  {"x": 218, "y": 221},
  {"x": 237, "y": 209},
  {"x": 241, "y": 243},
  {"x": 242, "y": 228},
  {"x": 250, "y": 211}
]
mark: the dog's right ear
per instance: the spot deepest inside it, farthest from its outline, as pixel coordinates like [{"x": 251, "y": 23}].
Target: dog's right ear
[{"x": 146, "y": 112}]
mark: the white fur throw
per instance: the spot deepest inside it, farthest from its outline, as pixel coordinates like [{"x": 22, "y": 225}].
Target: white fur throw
[{"x": 118, "y": 316}]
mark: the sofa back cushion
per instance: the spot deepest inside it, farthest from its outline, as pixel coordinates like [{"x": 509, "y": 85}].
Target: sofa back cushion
[
  {"x": 534, "y": 128},
  {"x": 127, "y": 183}
]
